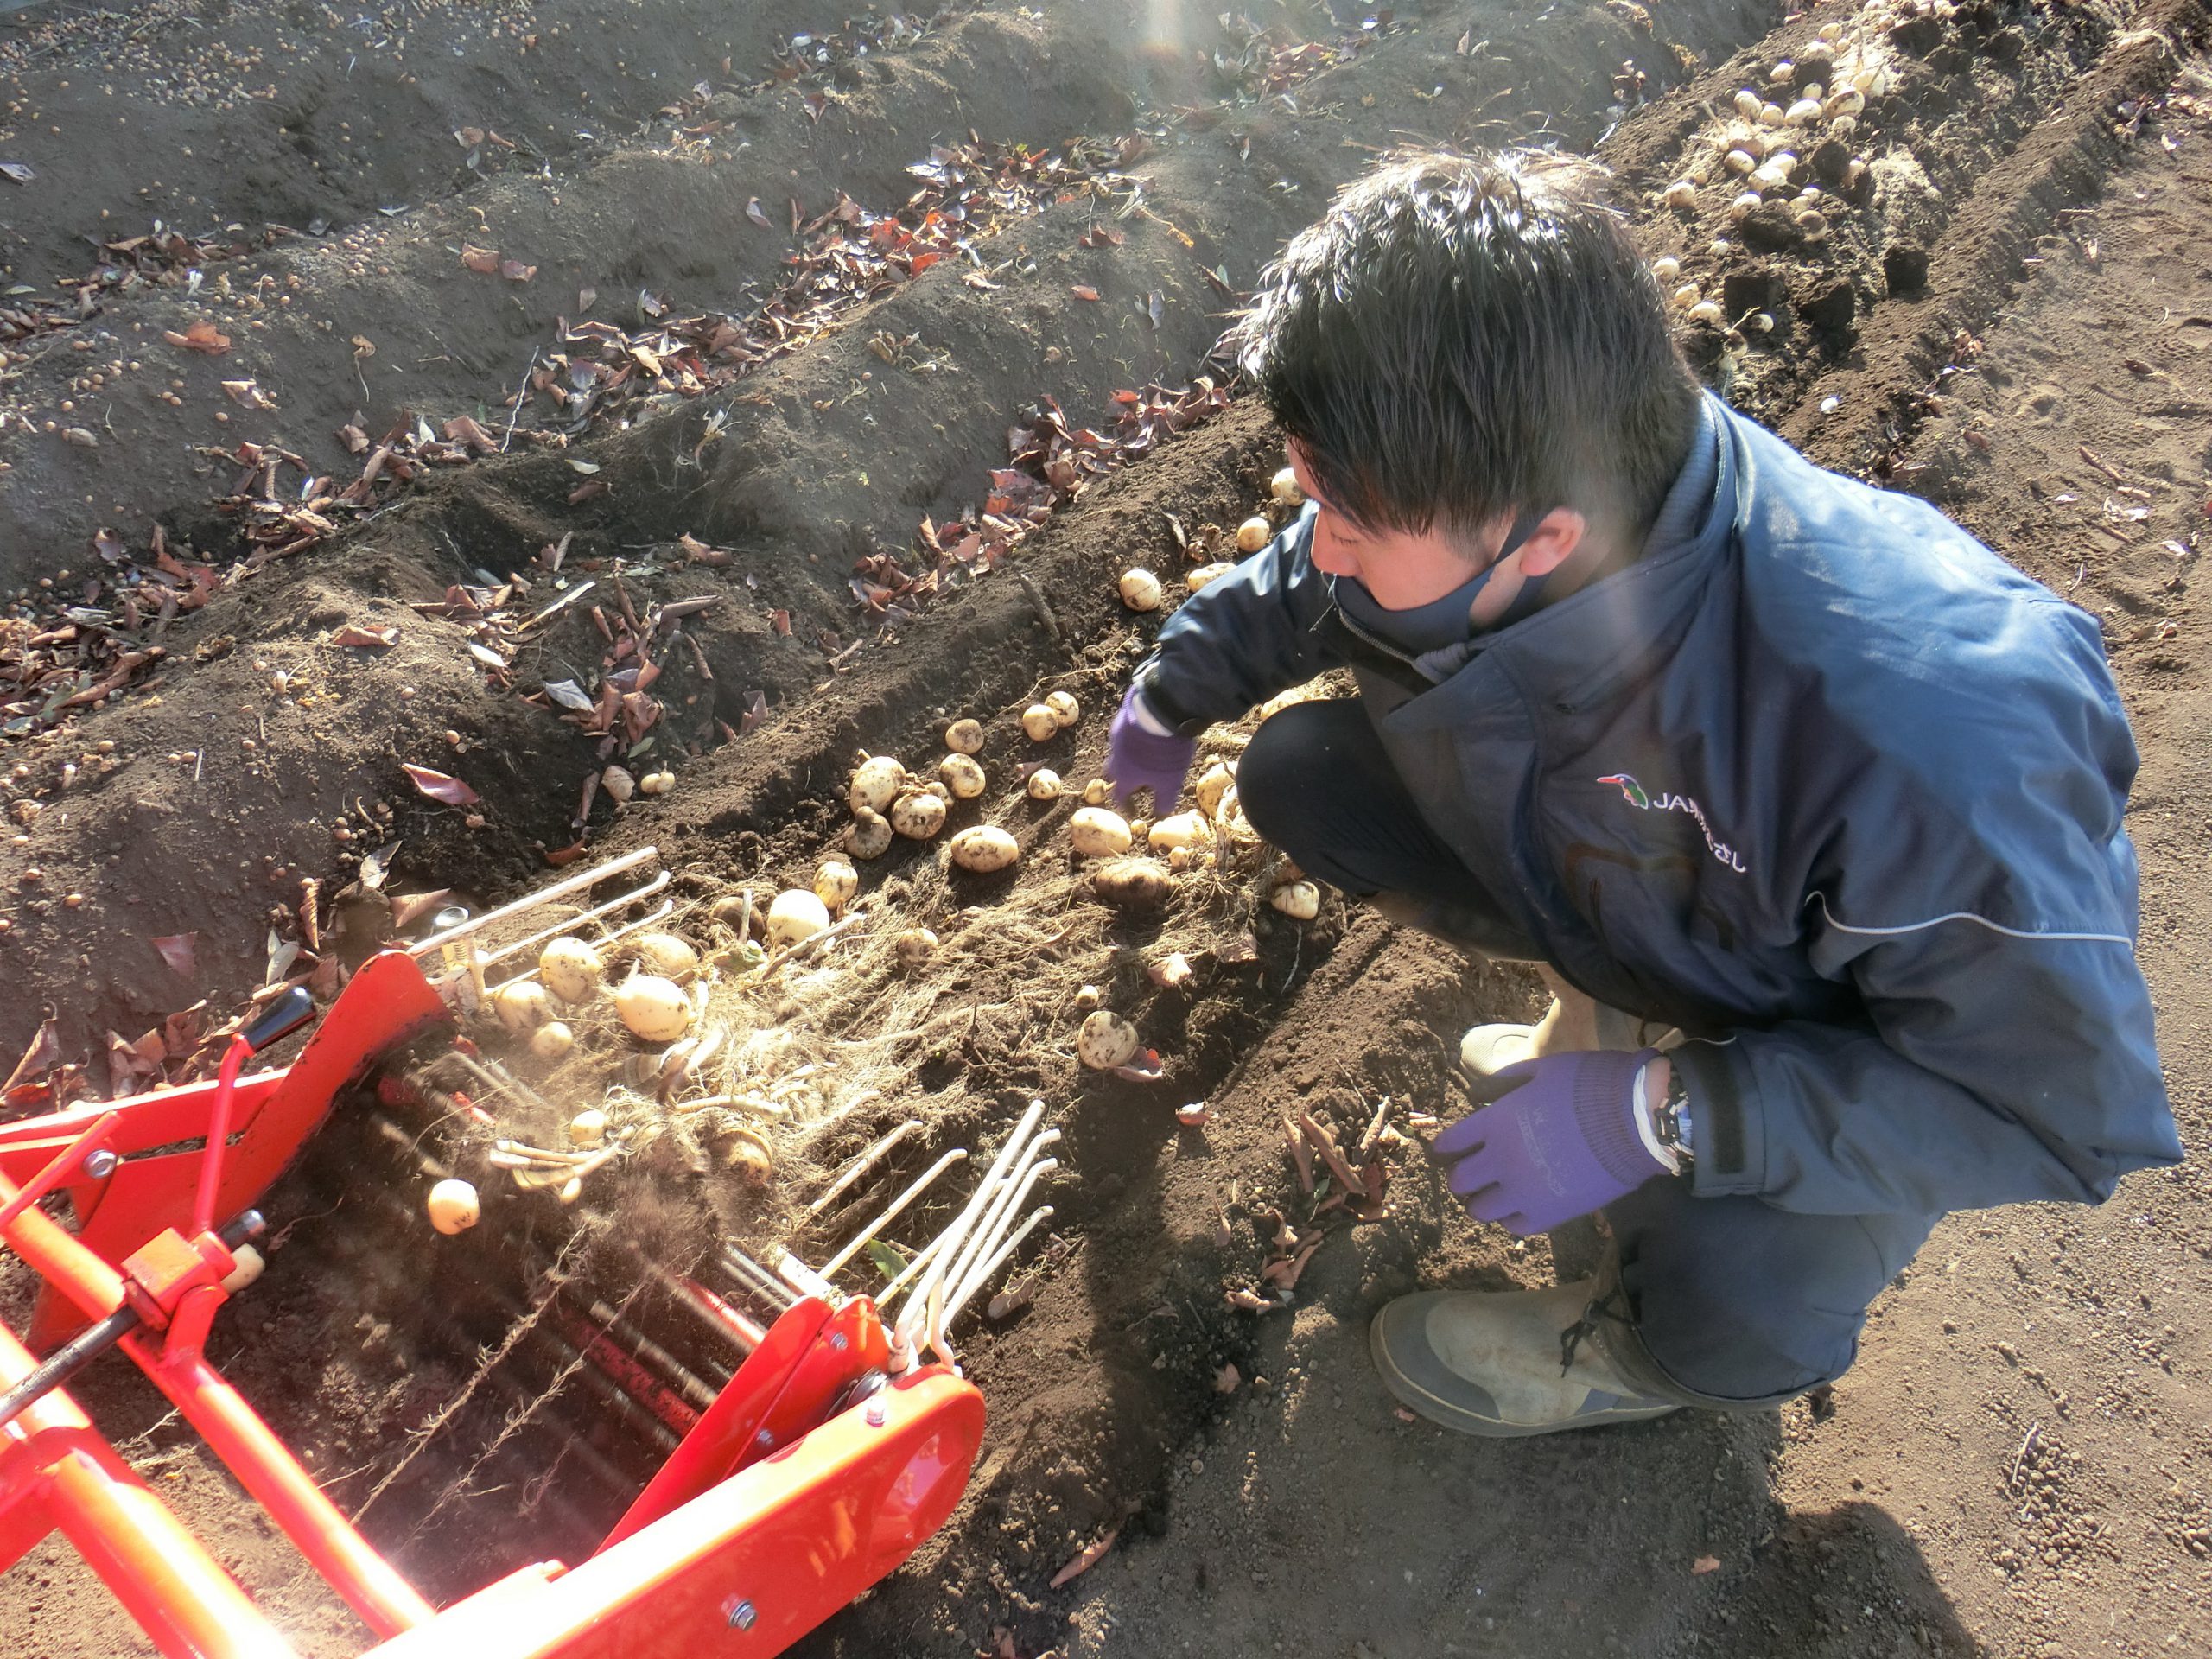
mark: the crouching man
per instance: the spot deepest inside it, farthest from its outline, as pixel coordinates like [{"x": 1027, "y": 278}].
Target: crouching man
[{"x": 1807, "y": 806}]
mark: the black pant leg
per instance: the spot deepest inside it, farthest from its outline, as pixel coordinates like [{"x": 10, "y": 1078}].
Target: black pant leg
[{"x": 1733, "y": 1302}]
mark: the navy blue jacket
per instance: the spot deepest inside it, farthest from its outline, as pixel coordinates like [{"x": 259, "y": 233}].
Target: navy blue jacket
[{"x": 1824, "y": 782}]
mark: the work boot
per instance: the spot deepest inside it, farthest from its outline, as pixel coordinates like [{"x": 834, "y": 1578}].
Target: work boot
[
  {"x": 1574, "y": 1024},
  {"x": 1504, "y": 1363}
]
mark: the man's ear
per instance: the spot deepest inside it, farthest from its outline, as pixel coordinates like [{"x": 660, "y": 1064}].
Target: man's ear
[{"x": 1553, "y": 541}]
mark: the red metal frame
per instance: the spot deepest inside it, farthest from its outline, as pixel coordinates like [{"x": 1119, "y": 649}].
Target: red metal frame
[{"x": 781, "y": 1504}]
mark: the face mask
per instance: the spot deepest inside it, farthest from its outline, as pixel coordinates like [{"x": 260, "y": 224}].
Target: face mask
[{"x": 1443, "y": 621}]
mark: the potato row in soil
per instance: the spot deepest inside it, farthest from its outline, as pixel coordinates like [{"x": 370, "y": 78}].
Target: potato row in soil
[{"x": 1925, "y": 332}]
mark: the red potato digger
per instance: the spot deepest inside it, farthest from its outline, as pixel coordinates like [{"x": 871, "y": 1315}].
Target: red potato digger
[{"x": 779, "y": 1447}]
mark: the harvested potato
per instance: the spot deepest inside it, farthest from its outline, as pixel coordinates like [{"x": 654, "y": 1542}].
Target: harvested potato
[
  {"x": 1044, "y": 784},
  {"x": 656, "y": 1009},
  {"x": 869, "y": 835},
  {"x": 965, "y": 736},
  {"x": 796, "y": 916},
  {"x": 571, "y": 969},
  {"x": 521, "y": 1004},
  {"x": 960, "y": 774},
  {"x": 1284, "y": 488},
  {"x": 1254, "y": 534},
  {"x": 1041, "y": 723},
  {"x": 1098, "y": 792},
  {"x": 1300, "y": 901},
  {"x": 1141, "y": 590},
  {"x": 876, "y": 783},
  {"x": 835, "y": 883},
  {"x": 1106, "y": 1040},
  {"x": 1097, "y": 833},
  {"x": 1212, "y": 785},
  {"x": 984, "y": 847},
  {"x": 587, "y": 1128},
  {"x": 551, "y": 1040},
  {"x": 666, "y": 954},
  {"x": 1206, "y": 575},
  {"x": 453, "y": 1207},
  {"x": 919, "y": 814},
  {"x": 914, "y": 947},
  {"x": 1065, "y": 709},
  {"x": 1179, "y": 831},
  {"x": 1132, "y": 883},
  {"x": 619, "y": 784}
]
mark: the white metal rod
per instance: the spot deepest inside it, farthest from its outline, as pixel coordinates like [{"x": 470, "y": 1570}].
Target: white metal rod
[
  {"x": 874, "y": 1229},
  {"x": 861, "y": 1165},
  {"x": 588, "y": 878},
  {"x": 996, "y": 1217},
  {"x": 660, "y": 913},
  {"x": 651, "y": 887},
  {"x": 959, "y": 1230},
  {"x": 929, "y": 1253},
  {"x": 998, "y": 1259},
  {"x": 988, "y": 1239}
]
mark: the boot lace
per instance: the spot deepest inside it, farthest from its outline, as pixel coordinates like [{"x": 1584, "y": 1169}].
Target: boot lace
[{"x": 1613, "y": 1305}]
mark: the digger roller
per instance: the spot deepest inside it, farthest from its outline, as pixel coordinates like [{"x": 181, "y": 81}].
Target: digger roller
[{"x": 828, "y": 1455}]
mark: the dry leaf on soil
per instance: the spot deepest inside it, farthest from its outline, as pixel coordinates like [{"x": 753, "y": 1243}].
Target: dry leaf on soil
[
  {"x": 354, "y": 634},
  {"x": 202, "y": 336},
  {"x": 181, "y": 952},
  {"x": 439, "y": 786}
]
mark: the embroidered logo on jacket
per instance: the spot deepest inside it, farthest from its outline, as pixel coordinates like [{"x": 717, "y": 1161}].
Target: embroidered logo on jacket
[{"x": 1637, "y": 796}]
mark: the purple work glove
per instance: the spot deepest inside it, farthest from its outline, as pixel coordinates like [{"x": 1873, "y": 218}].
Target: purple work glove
[
  {"x": 1138, "y": 757},
  {"x": 1559, "y": 1140}
]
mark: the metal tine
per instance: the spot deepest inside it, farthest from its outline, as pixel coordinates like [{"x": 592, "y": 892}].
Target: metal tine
[
  {"x": 997, "y": 1215},
  {"x": 984, "y": 1275},
  {"x": 666, "y": 907},
  {"x": 756, "y": 1278},
  {"x": 898, "y": 1287},
  {"x": 898, "y": 1207},
  {"x": 989, "y": 1238},
  {"x": 861, "y": 1165},
  {"x": 591, "y": 915},
  {"x": 910, "y": 1318},
  {"x": 580, "y": 881}
]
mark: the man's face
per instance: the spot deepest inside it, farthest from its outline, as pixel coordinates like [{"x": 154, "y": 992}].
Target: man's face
[{"x": 1401, "y": 571}]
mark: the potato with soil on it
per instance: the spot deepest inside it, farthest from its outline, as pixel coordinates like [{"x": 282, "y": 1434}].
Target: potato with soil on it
[
  {"x": 1198, "y": 581},
  {"x": 1039, "y": 724},
  {"x": 551, "y": 1040},
  {"x": 453, "y": 1207},
  {"x": 1132, "y": 883},
  {"x": 665, "y": 954},
  {"x": 835, "y": 884},
  {"x": 1106, "y": 1040},
  {"x": 1300, "y": 901},
  {"x": 983, "y": 848},
  {"x": 1044, "y": 784},
  {"x": 914, "y": 948},
  {"x": 571, "y": 969},
  {"x": 919, "y": 814},
  {"x": 1065, "y": 709},
  {"x": 1141, "y": 590},
  {"x": 1094, "y": 832},
  {"x": 868, "y": 835},
  {"x": 795, "y": 917},
  {"x": 965, "y": 736},
  {"x": 654, "y": 1009},
  {"x": 1254, "y": 534},
  {"x": 521, "y": 1004},
  {"x": 876, "y": 783},
  {"x": 960, "y": 774},
  {"x": 1284, "y": 487}
]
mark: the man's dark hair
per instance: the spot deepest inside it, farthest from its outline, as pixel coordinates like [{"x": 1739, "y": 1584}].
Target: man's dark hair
[{"x": 1464, "y": 337}]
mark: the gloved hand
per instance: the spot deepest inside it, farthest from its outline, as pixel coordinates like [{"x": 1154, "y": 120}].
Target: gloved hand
[
  {"x": 1138, "y": 757},
  {"x": 1559, "y": 1140}
]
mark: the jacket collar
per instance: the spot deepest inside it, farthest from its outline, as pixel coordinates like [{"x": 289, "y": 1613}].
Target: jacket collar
[{"x": 1578, "y": 648}]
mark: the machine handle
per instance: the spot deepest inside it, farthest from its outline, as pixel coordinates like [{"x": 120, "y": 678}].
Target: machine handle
[
  {"x": 94, "y": 1340},
  {"x": 283, "y": 1016}
]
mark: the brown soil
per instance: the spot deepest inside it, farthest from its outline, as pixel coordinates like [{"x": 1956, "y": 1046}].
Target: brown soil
[{"x": 2016, "y": 1463}]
